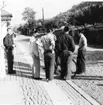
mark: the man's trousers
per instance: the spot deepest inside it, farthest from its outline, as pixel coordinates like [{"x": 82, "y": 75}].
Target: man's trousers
[
  {"x": 57, "y": 62},
  {"x": 36, "y": 67},
  {"x": 49, "y": 61},
  {"x": 81, "y": 66},
  {"x": 66, "y": 64},
  {"x": 10, "y": 59}
]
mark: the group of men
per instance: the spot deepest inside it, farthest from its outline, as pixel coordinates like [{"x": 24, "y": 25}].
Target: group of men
[{"x": 63, "y": 47}]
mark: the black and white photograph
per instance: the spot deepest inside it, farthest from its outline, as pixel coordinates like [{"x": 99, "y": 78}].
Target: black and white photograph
[{"x": 51, "y": 52}]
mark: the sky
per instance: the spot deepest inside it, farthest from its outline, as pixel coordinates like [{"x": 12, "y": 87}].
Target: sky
[{"x": 51, "y": 8}]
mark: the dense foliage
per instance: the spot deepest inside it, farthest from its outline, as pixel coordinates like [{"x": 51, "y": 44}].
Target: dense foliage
[
  {"x": 30, "y": 23},
  {"x": 87, "y": 13},
  {"x": 82, "y": 15}
]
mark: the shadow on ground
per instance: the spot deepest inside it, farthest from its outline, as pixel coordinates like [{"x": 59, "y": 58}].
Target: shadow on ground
[
  {"x": 100, "y": 85},
  {"x": 24, "y": 70},
  {"x": 92, "y": 57},
  {"x": 84, "y": 77}
]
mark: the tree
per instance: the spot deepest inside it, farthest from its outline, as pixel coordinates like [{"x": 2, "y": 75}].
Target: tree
[
  {"x": 15, "y": 29},
  {"x": 29, "y": 17},
  {"x": 81, "y": 14},
  {"x": 28, "y": 14}
]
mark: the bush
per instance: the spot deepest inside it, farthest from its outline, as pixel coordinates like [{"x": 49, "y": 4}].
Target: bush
[{"x": 94, "y": 36}]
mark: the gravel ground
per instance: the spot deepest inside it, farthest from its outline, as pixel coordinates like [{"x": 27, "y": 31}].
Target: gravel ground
[{"x": 92, "y": 80}]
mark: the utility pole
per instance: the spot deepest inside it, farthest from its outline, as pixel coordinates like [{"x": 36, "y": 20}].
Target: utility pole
[
  {"x": 43, "y": 19},
  {"x": 43, "y": 14},
  {"x": 2, "y": 60}
]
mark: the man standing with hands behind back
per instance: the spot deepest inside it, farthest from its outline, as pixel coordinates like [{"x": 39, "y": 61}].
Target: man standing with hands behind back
[{"x": 48, "y": 43}]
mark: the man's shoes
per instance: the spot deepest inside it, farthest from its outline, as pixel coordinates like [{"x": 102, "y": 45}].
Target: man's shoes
[
  {"x": 75, "y": 73},
  {"x": 61, "y": 78},
  {"x": 67, "y": 78},
  {"x": 12, "y": 72},
  {"x": 47, "y": 79},
  {"x": 37, "y": 78},
  {"x": 57, "y": 73}
]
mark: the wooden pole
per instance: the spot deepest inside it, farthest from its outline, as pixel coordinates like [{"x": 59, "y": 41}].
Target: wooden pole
[
  {"x": 43, "y": 19},
  {"x": 43, "y": 14},
  {"x": 2, "y": 60},
  {"x": 0, "y": 25}
]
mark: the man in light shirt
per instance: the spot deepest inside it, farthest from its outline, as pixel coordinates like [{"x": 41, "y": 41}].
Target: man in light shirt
[
  {"x": 35, "y": 56},
  {"x": 48, "y": 43},
  {"x": 81, "y": 66}
]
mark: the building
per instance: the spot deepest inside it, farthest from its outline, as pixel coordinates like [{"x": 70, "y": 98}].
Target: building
[
  {"x": 5, "y": 16},
  {"x": 5, "y": 21}
]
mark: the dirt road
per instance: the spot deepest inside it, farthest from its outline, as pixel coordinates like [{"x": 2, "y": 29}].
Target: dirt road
[{"x": 92, "y": 80}]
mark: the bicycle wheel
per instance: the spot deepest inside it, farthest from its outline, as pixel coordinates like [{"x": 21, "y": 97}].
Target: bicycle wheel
[{"x": 73, "y": 67}]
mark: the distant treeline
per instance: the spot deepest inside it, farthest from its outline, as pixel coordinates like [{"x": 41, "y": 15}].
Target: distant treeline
[{"x": 83, "y": 14}]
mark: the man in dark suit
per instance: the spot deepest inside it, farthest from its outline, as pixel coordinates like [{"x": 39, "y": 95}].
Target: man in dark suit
[
  {"x": 66, "y": 47},
  {"x": 9, "y": 45}
]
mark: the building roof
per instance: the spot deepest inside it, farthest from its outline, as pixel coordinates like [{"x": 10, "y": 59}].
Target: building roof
[
  {"x": 5, "y": 16},
  {"x": 5, "y": 13}
]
